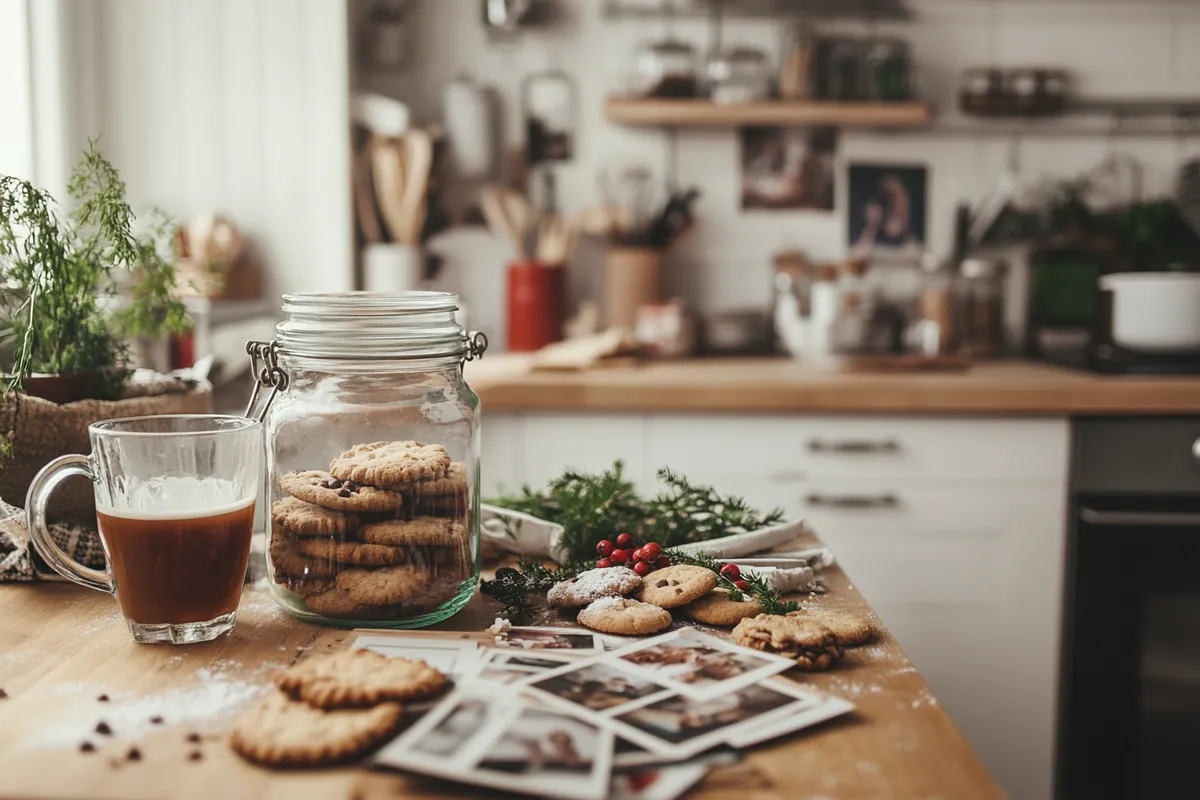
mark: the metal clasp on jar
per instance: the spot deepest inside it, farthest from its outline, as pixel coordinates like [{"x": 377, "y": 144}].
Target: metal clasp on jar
[
  {"x": 264, "y": 364},
  {"x": 477, "y": 344}
]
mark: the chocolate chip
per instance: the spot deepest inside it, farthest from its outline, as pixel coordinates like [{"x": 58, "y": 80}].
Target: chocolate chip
[
  {"x": 678, "y": 590},
  {"x": 102, "y": 698},
  {"x": 333, "y": 483},
  {"x": 195, "y": 755},
  {"x": 103, "y": 729},
  {"x": 3, "y": 694},
  {"x": 351, "y": 485},
  {"x": 87, "y": 747},
  {"x": 134, "y": 754},
  {"x": 192, "y": 737},
  {"x": 345, "y": 493},
  {"x": 156, "y": 720},
  {"x": 659, "y": 584}
]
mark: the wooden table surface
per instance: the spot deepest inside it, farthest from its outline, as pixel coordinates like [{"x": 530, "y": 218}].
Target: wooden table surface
[
  {"x": 62, "y": 646},
  {"x": 784, "y": 385}
]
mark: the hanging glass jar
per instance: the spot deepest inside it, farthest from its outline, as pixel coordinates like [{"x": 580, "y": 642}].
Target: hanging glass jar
[{"x": 372, "y": 458}]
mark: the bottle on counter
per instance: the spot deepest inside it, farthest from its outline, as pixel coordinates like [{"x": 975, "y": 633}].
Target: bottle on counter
[
  {"x": 981, "y": 308},
  {"x": 934, "y": 332}
]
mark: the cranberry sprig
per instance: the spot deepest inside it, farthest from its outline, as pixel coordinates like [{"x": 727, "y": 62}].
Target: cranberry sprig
[{"x": 642, "y": 559}]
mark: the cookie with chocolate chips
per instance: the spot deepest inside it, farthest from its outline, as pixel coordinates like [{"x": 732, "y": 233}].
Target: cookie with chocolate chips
[
  {"x": 813, "y": 646},
  {"x": 678, "y": 585},
  {"x": 322, "y": 489},
  {"x": 304, "y": 519}
]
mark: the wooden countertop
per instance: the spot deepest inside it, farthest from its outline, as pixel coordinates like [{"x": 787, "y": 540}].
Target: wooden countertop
[
  {"x": 781, "y": 385},
  {"x": 62, "y": 646}
]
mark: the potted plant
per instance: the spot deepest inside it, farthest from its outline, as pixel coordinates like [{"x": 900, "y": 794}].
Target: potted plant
[{"x": 63, "y": 335}]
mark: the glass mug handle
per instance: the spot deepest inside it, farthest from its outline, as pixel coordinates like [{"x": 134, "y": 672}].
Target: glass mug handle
[{"x": 40, "y": 490}]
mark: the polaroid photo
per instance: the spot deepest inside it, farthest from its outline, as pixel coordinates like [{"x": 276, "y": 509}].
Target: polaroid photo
[
  {"x": 791, "y": 720},
  {"x": 454, "y": 733},
  {"x": 576, "y": 641},
  {"x": 547, "y": 752},
  {"x": 629, "y": 757},
  {"x": 657, "y": 783},
  {"x": 699, "y": 665},
  {"x": 453, "y": 657},
  {"x": 593, "y": 687},
  {"x": 503, "y": 666},
  {"x": 681, "y": 726}
]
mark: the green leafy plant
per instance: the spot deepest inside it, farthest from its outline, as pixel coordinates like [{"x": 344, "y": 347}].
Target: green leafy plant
[
  {"x": 770, "y": 599},
  {"x": 596, "y": 506},
  {"x": 58, "y": 271}
]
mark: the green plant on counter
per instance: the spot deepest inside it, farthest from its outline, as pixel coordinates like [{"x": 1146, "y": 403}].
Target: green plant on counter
[
  {"x": 596, "y": 506},
  {"x": 58, "y": 270}
]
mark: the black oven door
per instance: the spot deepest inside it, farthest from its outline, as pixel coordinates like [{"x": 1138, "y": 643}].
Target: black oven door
[{"x": 1130, "y": 722}]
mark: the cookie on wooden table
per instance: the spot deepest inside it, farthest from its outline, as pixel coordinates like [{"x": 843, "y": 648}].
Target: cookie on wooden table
[
  {"x": 718, "y": 608},
  {"x": 365, "y": 555},
  {"x": 623, "y": 616},
  {"x": 322, "y": 489},
  {"x": 678, "y": 585},
  {"x": 356, "y": 678},
  {"x": 437, "y": 531},
  {"x": 850, "y": 629},
  {"x": 593, "y": 584},
  {"x": 811, "y": 644},
  {"x": 391, "y": 464},
  {"x": 281, "y": 732},
  {"x": 304, "y": 519},
  {"x": 380, "y": 587}
]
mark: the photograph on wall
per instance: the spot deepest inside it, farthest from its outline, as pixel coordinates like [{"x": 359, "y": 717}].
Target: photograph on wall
[
  {"x": 788, "y": 168},
  {"x": 887, "y": 208}
]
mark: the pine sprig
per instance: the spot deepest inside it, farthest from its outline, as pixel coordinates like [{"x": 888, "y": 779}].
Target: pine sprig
[{"x": 512, "y": 586}]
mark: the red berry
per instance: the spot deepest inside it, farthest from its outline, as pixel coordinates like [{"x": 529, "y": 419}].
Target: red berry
[
  {"x": 619, "y": 556},
  {"x": 742, "y": 585},
  {"x": 643, "y": 568},
  {"x": 651, "y": 551},
  {"x": 636, "y": 556},
  {"x": 661, "y": 562},
  {"x": 603, "y": 563},
  {"x": 604, "y": 547},
  {"x": 624, "y": 541},
  {"x": 731, "y": 572}
]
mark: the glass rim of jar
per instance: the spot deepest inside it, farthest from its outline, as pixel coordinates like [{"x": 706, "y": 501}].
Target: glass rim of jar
[{"x": 371, "y": 326}]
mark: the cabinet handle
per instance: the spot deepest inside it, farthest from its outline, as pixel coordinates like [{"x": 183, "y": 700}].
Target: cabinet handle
[
  {"x": 887, "y": 500},
  {"x": 1143, "y": 519},
  {"x": 855, "y": 446},
  {"x": 1196, "y": 449}
]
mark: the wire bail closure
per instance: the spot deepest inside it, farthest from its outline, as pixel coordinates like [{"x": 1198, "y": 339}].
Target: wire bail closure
[
  {"x": 264, "y": 365},
  {"x": 477, "y": 345}
]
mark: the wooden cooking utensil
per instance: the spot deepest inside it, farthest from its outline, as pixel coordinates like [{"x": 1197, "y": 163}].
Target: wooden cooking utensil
[
  {"x": 418, "y": 163},
  {"x": 364, "y": 196},
  {"x": 491, "y": 200},
  {"x": 387, "y": 169}
]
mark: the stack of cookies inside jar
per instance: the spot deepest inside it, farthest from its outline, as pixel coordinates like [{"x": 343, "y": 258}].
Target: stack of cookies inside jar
[{"x": 381, "y": 533}]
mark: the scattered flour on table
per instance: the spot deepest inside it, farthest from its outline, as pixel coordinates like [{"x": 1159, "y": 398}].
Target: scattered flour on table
[
  {"x": 102, "y": 623},
  {"x": 215, "y": 692}
]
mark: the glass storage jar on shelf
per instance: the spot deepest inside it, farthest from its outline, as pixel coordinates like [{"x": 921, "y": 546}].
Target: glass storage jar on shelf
[{"x": 372, "y": 458}]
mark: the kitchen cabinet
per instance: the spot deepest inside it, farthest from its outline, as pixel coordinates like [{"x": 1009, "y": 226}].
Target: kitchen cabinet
[{"x": 952, "y": 528}]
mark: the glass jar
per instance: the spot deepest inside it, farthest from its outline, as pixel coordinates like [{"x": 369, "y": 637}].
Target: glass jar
[
  {"x": 667, "y": 69},
  {"x": 981, "y": 298},
  {"x": 372, "y": 458}
]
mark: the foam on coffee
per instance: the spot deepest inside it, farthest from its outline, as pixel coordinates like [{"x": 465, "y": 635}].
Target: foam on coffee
[{"x": 175, "y": 498}]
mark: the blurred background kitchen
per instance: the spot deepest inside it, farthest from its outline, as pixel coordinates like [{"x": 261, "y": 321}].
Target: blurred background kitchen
[{"x": 810, "y": 187}]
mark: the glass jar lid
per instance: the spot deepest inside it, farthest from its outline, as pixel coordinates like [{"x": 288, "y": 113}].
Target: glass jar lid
[{"x": 367, "y": 325}]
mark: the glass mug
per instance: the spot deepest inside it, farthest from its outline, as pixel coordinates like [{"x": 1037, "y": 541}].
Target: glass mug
[{"x": 175, "y": 502}]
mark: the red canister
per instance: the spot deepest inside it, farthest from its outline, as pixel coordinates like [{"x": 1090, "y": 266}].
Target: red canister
[{"x": 535, "y": 302}]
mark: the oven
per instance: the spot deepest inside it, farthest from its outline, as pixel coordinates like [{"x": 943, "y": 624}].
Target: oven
[{"x": 1129, "y": 722}]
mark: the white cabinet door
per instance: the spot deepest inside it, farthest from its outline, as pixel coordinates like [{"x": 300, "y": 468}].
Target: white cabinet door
[
  {"x": 500, "y": 454},
  {"x": 552, "y": 443}
]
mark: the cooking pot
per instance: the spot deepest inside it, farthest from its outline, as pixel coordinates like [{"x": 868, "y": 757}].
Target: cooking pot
[{"x": 1155, "y": 311}]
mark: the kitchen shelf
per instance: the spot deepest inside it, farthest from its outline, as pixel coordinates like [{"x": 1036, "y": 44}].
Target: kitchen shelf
[
  {"x": 654, "y": 112},
  {"x": 758, "y": 9}
]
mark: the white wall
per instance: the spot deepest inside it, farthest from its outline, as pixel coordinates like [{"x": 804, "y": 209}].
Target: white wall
[
  {"x": 239, "y": 106},
  {"x": 16, "y": 133},
  {"x": 1114, "y": 47}
]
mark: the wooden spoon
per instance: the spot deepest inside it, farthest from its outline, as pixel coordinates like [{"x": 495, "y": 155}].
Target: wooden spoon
[
  {"x": 387, "y": 168},
  {"x": 418, "y": 163}
]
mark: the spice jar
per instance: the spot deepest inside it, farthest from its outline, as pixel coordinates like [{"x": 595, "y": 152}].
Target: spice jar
[{"x": 373, "y": 458}]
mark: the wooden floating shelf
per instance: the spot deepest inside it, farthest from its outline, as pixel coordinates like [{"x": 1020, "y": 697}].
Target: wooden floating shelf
[{"x": 654, "y": 112}]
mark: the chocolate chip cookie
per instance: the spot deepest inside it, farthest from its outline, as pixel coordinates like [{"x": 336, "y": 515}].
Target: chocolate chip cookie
[
  {"x": 592, "y": 585},
  {"x": 356, "y": 678},
  {"x": 287, "y": 560},
  {"x": 850, "y": 629},
  {"x": 367, "y": 555},
  {"x": 304, "y": 519},
  {"x": 378, "y": 587},
  {"x": 391, "y": 464},
  {"x": 678, "y": 585},
  {"x": 439, "y": 531},
  {"x": 322, "y": 489},
  {"x": 811, "y": 644},
  {"x": 282, "y": 732},
  {"x": 620, "y": 615},
  {"x": 450, "y": 486},
  {"x": 718, "y": 608}
]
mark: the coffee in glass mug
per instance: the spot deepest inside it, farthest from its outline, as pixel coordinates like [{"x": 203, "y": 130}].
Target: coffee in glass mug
[{"x": 175, "y": 502}]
